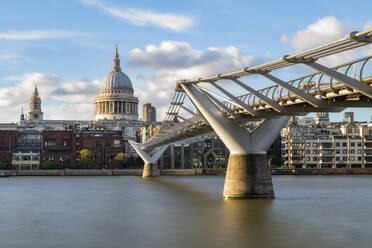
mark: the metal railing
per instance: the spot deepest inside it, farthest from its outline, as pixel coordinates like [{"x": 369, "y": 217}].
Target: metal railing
[{"x": 320, "y": 91}]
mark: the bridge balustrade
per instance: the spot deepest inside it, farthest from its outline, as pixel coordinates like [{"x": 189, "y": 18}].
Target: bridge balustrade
[{"x": 248, "y": 123}]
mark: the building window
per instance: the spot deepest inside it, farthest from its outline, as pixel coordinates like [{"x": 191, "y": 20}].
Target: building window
[
  {"x": 359, "y": 158},
  {"x": 337, "y": 151},
  {"x": 307, "y": 151},
  {"x": 352, "y": 144},
  {"x": 344, "y": 158},
  {"x": 349, "y": 130},
  {"x": 337, "y": 144},
  {"x": 352, "y": 151},
  {"x": 344, "y": 144},
  {"x": 359, "y": 144},
  {"x": 107, "y": 143},
  {"x": 307, "y": 144},
  {"x": 359, "y": 151},
  {"x": 337, "y": 158},
  {"x": 344, "y": 151},
  {"x": 315, "y": 159},
  {"x": 352, "y": 158},
  {"x": 98, "y": 143},
  {"x": 315, "y": 152},
  {"x": 307, "y": 158}
]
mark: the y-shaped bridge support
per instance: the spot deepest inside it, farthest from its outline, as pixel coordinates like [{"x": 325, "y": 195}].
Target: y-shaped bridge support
[
  {"x": 248, "y": 175},
  {"x": 150, "y": 169}
]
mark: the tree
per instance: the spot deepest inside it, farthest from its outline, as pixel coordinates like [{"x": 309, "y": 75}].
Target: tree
[
  {"x": 3, "y": 166},
  {"x": 50, "y": 165},
  {"x": 85, "y": 157},
  {"x": 274, "y": 160},
  {"x": 120, "y": 158}
]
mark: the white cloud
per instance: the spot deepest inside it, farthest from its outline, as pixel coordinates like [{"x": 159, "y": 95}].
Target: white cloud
[
  {"x": 324, "y": 30},
  {"x": 172, "y": 54},
  {"x": 175, "y": 60},
  {"x": 38, "y": 34},
  {"x": 140, "y": 17},
  {"x": 60, "y": 99},
  {"x": 74, "y": 100}
]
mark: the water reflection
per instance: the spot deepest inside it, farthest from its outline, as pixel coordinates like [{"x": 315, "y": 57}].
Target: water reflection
[
  {"x": 183, "y": 212},
  {"x": 245, "y": 220}
]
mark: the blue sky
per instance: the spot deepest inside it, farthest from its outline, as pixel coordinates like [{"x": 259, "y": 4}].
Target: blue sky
[{"x": 67, "y": 46}]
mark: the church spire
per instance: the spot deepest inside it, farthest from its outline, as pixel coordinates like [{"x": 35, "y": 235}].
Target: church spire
[
  {"x": 35, "y": 101},
  {"x": 35, "y": 114},
  {"x": 36, "y": 92},
  {"x": 116, "y": 60},
  {"x": 22, "y": 115}
]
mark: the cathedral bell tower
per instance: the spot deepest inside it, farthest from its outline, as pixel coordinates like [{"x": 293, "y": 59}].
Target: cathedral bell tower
[{"x": 35, "y": 115}]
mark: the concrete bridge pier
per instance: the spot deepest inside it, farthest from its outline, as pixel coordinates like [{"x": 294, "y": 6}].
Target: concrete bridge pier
[
  {"x": 247, "y": 175},
  {"x": 150, "y": 169}
]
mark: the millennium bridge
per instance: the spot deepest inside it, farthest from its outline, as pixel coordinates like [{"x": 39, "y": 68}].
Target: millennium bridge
[{"x": 249, "y": 123}]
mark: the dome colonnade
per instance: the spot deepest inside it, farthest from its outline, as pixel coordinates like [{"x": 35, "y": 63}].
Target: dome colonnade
[{"x": 116, "y": 100}]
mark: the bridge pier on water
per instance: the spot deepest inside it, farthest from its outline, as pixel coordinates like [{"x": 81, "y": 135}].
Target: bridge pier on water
[
  {"x": 150, "y": 168},
  {"x": 248, "y": 174}
]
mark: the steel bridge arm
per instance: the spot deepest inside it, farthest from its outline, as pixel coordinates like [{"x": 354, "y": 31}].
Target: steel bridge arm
[
  {"x": 210, "y": 96},
  {"x": 237, "y": 101},
  {"x": 264, "y": 98},
  {"x": 188, "y": 121},
  {"x": 188, "y": 110},
  {"x": 303, "y": 95},
  {"x": 363, "y": 88}
]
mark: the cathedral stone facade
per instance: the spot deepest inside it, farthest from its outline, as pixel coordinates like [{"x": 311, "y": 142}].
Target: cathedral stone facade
[{"x": 116, "y": 100}]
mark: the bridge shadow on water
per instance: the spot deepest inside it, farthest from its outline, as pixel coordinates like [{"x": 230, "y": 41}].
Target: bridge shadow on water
[
  {"x": 212, "y": 221},
  {"x": 217, "y": 222},
  {"x": 184, "y": 189}
]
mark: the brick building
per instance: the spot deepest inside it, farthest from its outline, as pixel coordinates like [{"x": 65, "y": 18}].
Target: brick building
[
  {"x": 59, "y": 146},
  {"x": 29, "y": 149},
  {"x": 104, "y": 147},
  {"x": 8, "y": 139}
]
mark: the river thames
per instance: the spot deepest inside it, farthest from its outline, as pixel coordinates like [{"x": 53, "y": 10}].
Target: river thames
[{"x": 176, "y": 211}]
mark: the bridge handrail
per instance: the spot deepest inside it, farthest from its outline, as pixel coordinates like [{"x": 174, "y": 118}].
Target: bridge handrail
[
  {"x": 353, "y": 40},
  {"x": 312, "y": 84}
]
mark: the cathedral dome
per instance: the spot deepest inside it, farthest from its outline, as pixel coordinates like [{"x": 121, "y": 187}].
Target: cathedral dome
[
  {"x": 117, "y": 81},
  {"x": 116, "y": 100}
]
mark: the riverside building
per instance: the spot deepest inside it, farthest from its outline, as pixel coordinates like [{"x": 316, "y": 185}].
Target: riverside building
[
  {"x": 33, "y": 140},
  {"x": 327, "y": 145},
  {"x": 206, "y": 153}
]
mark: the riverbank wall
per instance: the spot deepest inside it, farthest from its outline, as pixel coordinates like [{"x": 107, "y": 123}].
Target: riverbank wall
[
  {"x": 323, "y": 171},
  {"x": 181, "y": 172}
]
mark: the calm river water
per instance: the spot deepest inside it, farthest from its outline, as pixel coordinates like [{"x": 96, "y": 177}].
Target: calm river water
[{"x": 316, "y": 211}]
